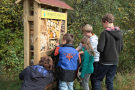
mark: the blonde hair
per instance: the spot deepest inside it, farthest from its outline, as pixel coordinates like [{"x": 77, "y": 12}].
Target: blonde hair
[
  {"x": 87, "y": 28},
  {"x": 88, "y": 46}
]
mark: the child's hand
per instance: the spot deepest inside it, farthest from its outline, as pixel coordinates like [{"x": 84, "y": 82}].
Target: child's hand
[
  {"x": 57, "y": 44},
  {"x": 81, "y": 52}
]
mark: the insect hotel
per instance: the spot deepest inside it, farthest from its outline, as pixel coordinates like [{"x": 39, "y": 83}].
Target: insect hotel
[{"x": 45, "y": 21}]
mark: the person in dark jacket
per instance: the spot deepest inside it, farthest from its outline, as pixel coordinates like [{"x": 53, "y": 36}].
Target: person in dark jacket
[
  {"x": 38, "y": 76},
  {"x": 67, "y": 63},
  {"x": 110, "y": 44}
]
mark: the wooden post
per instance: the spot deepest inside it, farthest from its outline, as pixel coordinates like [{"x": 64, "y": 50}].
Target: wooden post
[
  {"x": 37, "y": 20},
  {"x": 65, "y": 11},
  {"x": 26, "y": 13}
]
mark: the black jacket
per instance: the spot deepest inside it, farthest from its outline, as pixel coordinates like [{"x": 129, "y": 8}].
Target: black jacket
[
  {"x": 33, "y": 80},
  {"x": 110, "y": 44}
]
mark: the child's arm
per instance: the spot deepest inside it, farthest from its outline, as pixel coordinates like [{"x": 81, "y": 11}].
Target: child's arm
[
  {"x": 81, "y": 52},
  {"x": 56, "y": 51},
  {"x": 78, "y": 48},
  {"x": 79, "y": 60},
  {"x": 101, "y": 43}
]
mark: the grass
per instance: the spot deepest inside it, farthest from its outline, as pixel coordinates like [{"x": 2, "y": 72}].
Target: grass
[
  {"x": 121, "y": 82},
  {"x": 124, "y": 82},
  {"x": 9, "y": 82}
]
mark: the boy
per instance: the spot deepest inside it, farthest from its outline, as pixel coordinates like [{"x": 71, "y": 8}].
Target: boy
[
  {"x": 109, "y": 46},
  {"x": 67, "y": 64},
  {"x": 88, "y": 32},
  {"x": 38, "y": 76}
]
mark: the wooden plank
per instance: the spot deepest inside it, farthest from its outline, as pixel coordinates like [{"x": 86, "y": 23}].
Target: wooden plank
[
  {"x": 26, "y": 34},
  {"x": 18, "y": 1},
  {"x": 37, "y": 19},
  {"x": 51, "y": 86},
  {"x": 45, "y": 53},
  {"x": 30, "y": 18},
  {"x": 65, "y": 11}
]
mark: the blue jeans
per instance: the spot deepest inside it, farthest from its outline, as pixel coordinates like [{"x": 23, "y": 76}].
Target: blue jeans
[
  {"x": 93, "y": 75},
  {"x": 108, "y": 71},
  {"x": 65, "y": 85}
]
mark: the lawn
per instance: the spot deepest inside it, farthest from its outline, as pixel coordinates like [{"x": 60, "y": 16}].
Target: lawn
[
  {"x": 121, "y": 82},
  {"x": 9, "y": 82}
]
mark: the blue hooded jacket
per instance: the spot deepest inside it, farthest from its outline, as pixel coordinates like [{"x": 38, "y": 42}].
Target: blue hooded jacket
[{"x": 67, "y": 64}]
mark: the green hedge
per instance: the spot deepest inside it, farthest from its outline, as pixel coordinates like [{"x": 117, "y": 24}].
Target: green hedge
[
  {"x": 89, "y": 11},
  {"x": 11, "y": 33}
]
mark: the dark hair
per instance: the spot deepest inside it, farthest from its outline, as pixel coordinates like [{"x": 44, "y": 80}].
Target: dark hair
[
  {"x": 46, "y": 62},
  {"x": 108, "y": 17},
  {"x": 69, "y": 38}
]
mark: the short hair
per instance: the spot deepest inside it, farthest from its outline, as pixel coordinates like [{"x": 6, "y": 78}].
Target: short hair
[
  {"x": 87, "y": 28},
  {"x": 69, "y": 38},
  {"x": 46, "y": 62},
  {"x": 108, "y": 17}
]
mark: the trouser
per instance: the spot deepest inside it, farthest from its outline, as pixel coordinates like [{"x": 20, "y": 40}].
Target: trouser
[
  {"x": 108, "y": 71},
  {"x": 65, "y": 85},
  {"x": 85, "y": 82},
  {"x": 93, "y": 75}
]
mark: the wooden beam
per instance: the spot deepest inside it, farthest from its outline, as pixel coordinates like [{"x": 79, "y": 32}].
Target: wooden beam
[
  {"x": 18, "y": 1},
  {"x": 51, "y": 86},
  {"x": 30, "y": 18},
  {"x": 37, "y": 20},
  {"x": 46, "y": 53},
  {"x": 65, "y": 11},
  {"x": 26, "y": 13}
]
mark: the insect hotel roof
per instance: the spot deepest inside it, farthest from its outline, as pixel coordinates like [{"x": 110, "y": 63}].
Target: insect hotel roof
[{"x": 53, "y": 3}]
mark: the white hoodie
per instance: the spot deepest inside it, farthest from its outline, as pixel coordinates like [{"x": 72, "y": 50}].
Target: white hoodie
[{"x": 94, "y": 43}]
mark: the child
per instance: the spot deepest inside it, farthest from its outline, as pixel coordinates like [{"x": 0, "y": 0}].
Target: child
[
  {"x": 67, "y": 64},
  {"x": 38, "y": 76},
  {"x": 110, "y": 44},
  {"x": 88, "y": 32},
  {"x": 87, "y": 62}
]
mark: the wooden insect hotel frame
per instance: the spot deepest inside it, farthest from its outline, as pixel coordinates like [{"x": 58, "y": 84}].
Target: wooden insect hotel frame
[{"x": 45, "y": 21}]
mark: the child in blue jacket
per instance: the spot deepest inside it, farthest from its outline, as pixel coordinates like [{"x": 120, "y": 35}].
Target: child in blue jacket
[
  {"x": 87, "y": 62},
  {"x": 67, "y": 64}
]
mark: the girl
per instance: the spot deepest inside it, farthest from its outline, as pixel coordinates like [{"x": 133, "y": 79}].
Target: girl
[{"x": 87, "y": 62}]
